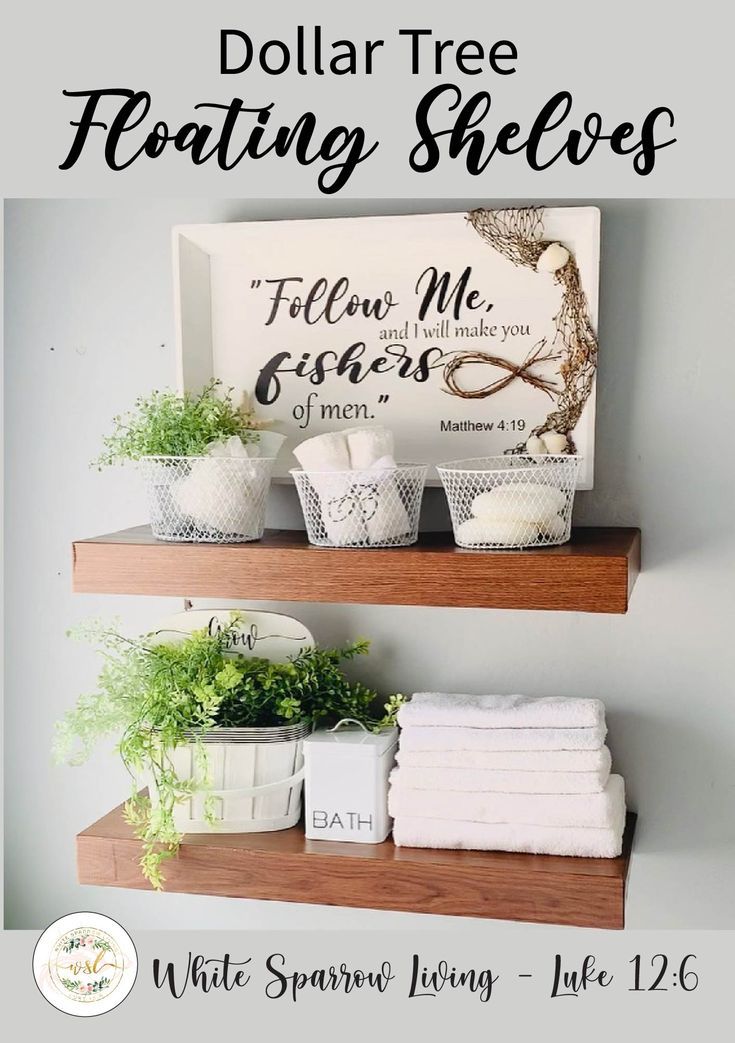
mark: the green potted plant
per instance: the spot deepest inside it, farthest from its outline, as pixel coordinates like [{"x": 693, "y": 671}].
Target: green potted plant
[
  {"x": 175, "y": 706},
  {"x": 206, "y": 462}
]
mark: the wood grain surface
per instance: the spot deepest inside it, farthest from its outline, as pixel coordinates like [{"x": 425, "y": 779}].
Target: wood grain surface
[
  {"x": 595, "y": 572},
  {"x": 284, "y": 866}
]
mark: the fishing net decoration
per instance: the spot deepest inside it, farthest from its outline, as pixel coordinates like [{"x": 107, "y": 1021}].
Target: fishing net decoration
[{"x": 518, "y": 234}]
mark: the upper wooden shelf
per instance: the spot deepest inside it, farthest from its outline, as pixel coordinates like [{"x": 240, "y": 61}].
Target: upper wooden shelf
[
  {"x": 595, "y": 572},
  {"x": 285, "y": 867}
]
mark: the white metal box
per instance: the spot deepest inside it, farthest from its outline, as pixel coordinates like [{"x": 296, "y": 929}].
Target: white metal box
[{"x": 346, "y": 787}]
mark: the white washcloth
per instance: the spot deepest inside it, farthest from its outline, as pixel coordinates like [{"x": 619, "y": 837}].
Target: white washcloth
[
  {"x": 371, "y": 449},
  {"x": 227, "y": 497},
  {"x": 599, "y": 761},
  {"x": 437, "y": 709},
  {"x": 327, "y": 453},
  {"x": 386, "y": 517},
  {"x": 535, "y": 840},
  {"x": 269, "y": 444},
  {"x": 361, "y": 504},
  {"x": 221, "y": 496},
  {"x": 368, "y": 445},
  {"x": 605, "y": 810},
  {"x": 493, "y": 739},
  {"x": 477, "y": 780}
]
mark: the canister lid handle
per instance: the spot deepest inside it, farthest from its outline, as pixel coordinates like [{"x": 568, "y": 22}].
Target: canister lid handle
[{"x": 347, "y": 720}]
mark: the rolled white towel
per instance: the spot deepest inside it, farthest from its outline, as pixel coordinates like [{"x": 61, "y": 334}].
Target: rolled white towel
[
  {"x": 269, "y": 444},
  {"x": 385, "y": 515},
  {"x": 371, "y": 450},
  {"x": 432, "y": 709},
  {"x": 368, "y": 445},
  {"x": 554, "y": 527},
  {"x": 563, "y": 761},
  {"x": 221, "y": 495},
  {"x": 226, "y": 497},
  {"x": 604, "y": 810},
  {"x": 481, "y": 836},
  {"x": 484, "y": 740},
  {"x": 232, "y": 448},
  {"x": 478, "y": 780},
  {"x": 319, "y": 456},
  {"x": 328, "y": 452}
]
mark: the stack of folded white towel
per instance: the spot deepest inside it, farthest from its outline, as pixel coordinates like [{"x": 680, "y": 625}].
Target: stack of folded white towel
[{"x": 506, "y": 773}]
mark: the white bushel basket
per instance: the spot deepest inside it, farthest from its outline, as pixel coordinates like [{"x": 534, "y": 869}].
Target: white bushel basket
[
  {"x": 501, "y": 502},
  {"x": 206, "y": 499},
  {"x": 372, "y": 508},
  {"x": 256, "y": 775}
]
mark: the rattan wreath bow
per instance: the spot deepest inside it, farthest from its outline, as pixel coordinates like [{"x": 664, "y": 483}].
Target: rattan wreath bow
[{"x": 521, "y": 371}]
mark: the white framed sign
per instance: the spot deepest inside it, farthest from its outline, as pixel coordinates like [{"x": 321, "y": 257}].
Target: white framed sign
[{"x": 456, "y": 341}]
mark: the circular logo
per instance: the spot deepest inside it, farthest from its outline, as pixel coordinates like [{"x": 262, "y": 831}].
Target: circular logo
[{"x": 85, "y": 964}]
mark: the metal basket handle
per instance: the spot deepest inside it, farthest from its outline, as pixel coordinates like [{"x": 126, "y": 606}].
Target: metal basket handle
[{"x": 257, "y": 791}]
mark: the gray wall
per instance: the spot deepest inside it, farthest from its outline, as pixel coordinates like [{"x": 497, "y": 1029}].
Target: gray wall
[{"x": 89, "y": 326}]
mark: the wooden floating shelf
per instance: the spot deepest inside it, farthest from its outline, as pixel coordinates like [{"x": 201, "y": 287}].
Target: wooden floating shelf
[
  {"x": 285, "y": 867},
  {"x": 595, "y": 572}
]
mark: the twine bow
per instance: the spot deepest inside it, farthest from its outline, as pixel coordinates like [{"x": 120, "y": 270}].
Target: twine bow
[
  {"x": 362, "y": 498},
  {"x": 515, "y": 370}
]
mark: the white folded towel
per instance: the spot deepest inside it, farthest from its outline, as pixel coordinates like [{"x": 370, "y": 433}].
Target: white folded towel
[
  {"x": 536, "y": 840},
  {"x": 438, "y": 709},
  {"x": 477, "y": 780},
  {"x": 599, "y": 761},
  {"x": 491, "y": 739},
  {"x": 605, "y": 810}
]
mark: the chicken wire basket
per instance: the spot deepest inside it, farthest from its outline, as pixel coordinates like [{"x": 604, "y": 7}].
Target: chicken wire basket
[
  {"x": 205, "y": 499},
  {"x": 501, "y": 502},
  {"x": 373, "y": 508}
]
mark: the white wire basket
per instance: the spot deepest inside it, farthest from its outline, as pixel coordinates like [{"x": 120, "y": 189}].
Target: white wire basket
[
  {"x": 373, "y": 508},
  {"x": 206, "y": 499},
  {"x": 501, "y": 502}
]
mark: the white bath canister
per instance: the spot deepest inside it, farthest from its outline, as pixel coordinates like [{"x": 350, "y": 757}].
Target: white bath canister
[
  {"x": 256, "y": 780},
  {"x": 347, "y": 773}
]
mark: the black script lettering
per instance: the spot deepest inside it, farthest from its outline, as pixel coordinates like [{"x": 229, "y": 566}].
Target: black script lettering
[{"x": 202, "y": 973}]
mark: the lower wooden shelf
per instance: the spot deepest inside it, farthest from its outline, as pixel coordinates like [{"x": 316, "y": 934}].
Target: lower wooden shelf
[{"x": 286, "y": 867}]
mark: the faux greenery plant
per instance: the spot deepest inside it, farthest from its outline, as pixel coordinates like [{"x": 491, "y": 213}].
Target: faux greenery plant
[
  {"x": 157, "y": 697},
  {"x": 166, "y": 424}
]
